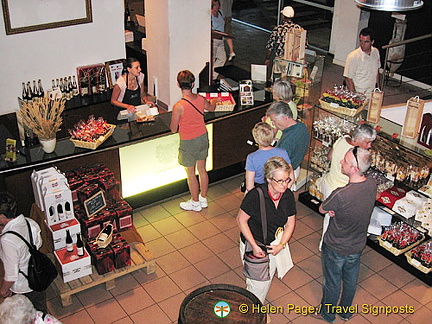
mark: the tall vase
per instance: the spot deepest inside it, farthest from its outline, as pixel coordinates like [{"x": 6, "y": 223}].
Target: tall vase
[{"x": 48, "y": 145}]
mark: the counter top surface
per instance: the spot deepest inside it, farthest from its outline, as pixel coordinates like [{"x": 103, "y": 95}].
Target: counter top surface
[{"x": 124, "y": 134}]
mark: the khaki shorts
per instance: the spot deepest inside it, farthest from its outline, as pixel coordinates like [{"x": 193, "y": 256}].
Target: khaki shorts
[{"x": 191, "y": 151}]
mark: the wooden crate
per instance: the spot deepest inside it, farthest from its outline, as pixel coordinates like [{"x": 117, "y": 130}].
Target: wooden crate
[{"x": 141, "y": 258}]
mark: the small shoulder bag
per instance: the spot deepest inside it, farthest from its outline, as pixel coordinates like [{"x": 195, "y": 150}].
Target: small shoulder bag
[{"x": 257, "y": 268}]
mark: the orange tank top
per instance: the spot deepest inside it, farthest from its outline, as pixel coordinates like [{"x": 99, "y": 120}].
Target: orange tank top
[{"x": 191, "y": 124}]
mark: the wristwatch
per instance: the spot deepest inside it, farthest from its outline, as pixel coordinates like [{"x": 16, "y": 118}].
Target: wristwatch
[{"x": 283, "y": 245}]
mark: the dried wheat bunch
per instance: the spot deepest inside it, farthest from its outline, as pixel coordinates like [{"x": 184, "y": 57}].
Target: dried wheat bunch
[{"x": 43, "y": 116}]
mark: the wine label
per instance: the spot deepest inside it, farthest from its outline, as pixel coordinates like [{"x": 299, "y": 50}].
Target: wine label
[
  {"x": 69, "y": 247},
  {"x": 80, "y": 251}
]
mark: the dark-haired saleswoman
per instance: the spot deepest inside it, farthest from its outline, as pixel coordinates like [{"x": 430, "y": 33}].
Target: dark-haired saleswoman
[{"x": 129, "y": 90}]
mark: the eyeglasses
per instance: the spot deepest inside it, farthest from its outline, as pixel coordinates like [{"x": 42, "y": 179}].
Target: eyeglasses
[
  {"x": 355, "y": 155},
  {"x": 280, "y": 182}
]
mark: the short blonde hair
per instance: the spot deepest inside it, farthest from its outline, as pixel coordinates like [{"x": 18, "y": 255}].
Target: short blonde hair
[
  {"x": 263, "y": 134},
  {"x": 17, "y": 309},
  {"x": 273, "y": 164}
]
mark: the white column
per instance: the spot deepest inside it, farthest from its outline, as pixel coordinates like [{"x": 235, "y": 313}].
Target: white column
[{"x": 178, "y": 38}]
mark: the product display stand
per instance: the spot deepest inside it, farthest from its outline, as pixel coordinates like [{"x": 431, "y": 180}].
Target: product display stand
[{"x": 141, "y": 258}]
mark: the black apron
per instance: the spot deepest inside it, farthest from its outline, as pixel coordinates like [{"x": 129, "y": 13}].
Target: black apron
[{"x": 132, "y": 97}]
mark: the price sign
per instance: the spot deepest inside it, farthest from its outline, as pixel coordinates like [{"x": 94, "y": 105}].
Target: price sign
[{"x": 95, "y": 203}]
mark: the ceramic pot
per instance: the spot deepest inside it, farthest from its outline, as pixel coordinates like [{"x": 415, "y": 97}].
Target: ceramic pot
[{"x": 48, "y": 145}]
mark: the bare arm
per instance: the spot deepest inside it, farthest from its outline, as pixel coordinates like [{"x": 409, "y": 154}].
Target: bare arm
[
  {"x": 143, "y": 94},
  {"x": 323, "y": 211},
  {"x": 350, "y": 84},
  {"x": 5, "y": 288},
  {"x": 250, "y": 180},
  {"x": 175, "y": 118},
  {"x": 242, "y": 221},
  {"x": 114, "y": 99},
  {"x": 210, "y": 105},
  {"x": 286, "y": 236}
]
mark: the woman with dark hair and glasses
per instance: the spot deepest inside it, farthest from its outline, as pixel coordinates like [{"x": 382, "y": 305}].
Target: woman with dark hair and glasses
[
  {"x": 129, "y": 90},
  {"x": 280, "y": 211},
  {"x": 362, "y": 136}
]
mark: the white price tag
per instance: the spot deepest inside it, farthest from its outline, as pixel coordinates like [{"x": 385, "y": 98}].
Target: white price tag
[
  {"x": 334, "y": 105},
  {"x": 415, "y": 263},
  {"x": 388, "y": 245}
]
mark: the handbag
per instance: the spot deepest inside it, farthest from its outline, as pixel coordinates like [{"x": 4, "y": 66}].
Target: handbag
[
  {"x": 41, "y": 270},
  {"x": 257, "y": 268}
]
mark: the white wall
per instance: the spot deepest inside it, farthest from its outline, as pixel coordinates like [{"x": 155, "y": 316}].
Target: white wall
[
  {"x": 178, "y": 38},
  {"x": 56, "y": 53}
]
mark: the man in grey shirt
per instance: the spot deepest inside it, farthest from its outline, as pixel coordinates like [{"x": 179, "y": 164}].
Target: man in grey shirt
[{"x": 350, "y": 209}]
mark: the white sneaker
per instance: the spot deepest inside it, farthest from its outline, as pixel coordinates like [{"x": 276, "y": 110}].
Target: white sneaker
[
  {"x": 203, "y": 202},
  {"x": 191, "y": 205},
  {"x": 231, "y": 56}
]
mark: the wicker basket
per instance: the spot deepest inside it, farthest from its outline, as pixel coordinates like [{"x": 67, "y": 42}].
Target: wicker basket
[
  {"x": 94, "y": 145},
  {"x": 386, "y": 245},
  {"x": 226, "y": 106},
  {"x": 342, "y": 110},
  {"x": 415, "y": 263}
]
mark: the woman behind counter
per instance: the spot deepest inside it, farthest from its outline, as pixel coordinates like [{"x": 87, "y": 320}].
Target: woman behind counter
[
  {"x": 280, "y": 211},
  {"x": 129, "y": 90}
]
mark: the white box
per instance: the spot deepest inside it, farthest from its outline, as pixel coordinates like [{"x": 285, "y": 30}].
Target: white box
[
  {"x": 58, "y": 232},
  {"x": 35, "y": 177},
  {"x": 405, "y": 207},
  {"x": 73, "y": 266},
  {"x": 58, "y": 205}
]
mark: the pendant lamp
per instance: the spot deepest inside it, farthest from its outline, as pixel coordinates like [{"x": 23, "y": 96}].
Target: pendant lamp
[{"x": 390, "y": 5}]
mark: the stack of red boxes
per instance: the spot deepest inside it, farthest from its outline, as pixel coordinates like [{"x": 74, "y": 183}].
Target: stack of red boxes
[
  {"x": 85, "y": 182},
  {"x": 391, "y": 195}
]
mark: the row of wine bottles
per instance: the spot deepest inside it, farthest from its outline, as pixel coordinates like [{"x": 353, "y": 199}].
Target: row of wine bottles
[
  {"x": 79, "y": 243},
  {"x": 29, "y": 94},
  {"x": 60, "y": 214},
  {"x": 67, "y": 86}
]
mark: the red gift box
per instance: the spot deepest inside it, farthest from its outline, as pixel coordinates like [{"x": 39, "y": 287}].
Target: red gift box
[
  {"x": 102, "y": 259},
  {"x": 108, "y": 215},
  {"x": 87, "y": 191},
  {"x": 124, "y": 215},
  {"x": 121, "y": 254},
  {"x": 90, "y": 227},
  {"x": 391, "y": 195},
  {"x": 74, "y": 184}
]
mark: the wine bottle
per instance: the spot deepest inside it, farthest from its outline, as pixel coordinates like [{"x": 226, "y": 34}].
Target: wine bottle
[
  {"x": 80, "y": 245},
  {"x": 57, "y": 83},
  {"x": 29, "y": 92},
  {"x": 41, "y": 92},
  {"x": 126, "y": 17},
  {"x": 24, "y": 93},
  {"x": 68, "y": 210},
  {"x": 52, "y": 214},
  {"x": 60, "y": 213},
  {"x": 35, "y": 90},
  {"x": 69, "y": 245},
  {"x": 74, "y": 86}
]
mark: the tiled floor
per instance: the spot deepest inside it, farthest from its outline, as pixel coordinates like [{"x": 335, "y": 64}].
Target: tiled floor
[{"x": 196, "y": 249}]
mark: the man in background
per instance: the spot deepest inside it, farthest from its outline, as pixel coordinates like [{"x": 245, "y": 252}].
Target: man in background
[
  {"x": 226, "y": 8},
  {"x": 362, "y": 65}
]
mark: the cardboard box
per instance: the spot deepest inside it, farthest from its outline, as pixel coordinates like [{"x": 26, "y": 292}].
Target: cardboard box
[
  {"x": 90, "y": 227},
  {"x": 124, "y": 215},
  {"x": 102, "y": 259},
  {"x": 58, "y": 232},
  {"x": 58, "y": 205},
  {"x": 73, "y": 266}
]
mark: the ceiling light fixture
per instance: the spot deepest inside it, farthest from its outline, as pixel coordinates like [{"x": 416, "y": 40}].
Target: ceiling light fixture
[{"x": 390, "y": 5}]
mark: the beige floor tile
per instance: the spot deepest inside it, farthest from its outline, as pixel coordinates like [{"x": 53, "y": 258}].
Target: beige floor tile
[
  {"x": 168, "y": 225},
  {"x": 363, "y": 296},
  {"x": 148, "y": 233},
  {"x": 152, "y": 314},
  {"x": 419, "y": 291},
  {"x": 421, "y": 315},
  {"x": 142, "y": 277},
  {"x": 154, "y": 213},
  {"x": 224, "y": 222},
  {"x": 181, "y": 238},
  {"x": 292, "y": 304},
  {"x": 232, "y": 257},
  {"x": 211, "y": 267},
  {"x": 311, "y": 266},
  {"x": 278, "y": 318},
  {"x": 374, "y": 260},
  {"x": 199, "y": 286},
  {"x": 108, "y": 311},
  {"x": 204, "y": 230},
  {"x": 303, "y": 210},
  {"x": 217, "y": 192},
  {"x": 376, "y": 313},
  {"x": 188, "y": 278},
  {"x": 219, "y": 243},
  {"x": 123, "y": 284},
  {"x": 139, "y": 220},
  {"x": 172, "y": 206},
  {"x": 81, "y": 317},
  {"x": 134, "y": 300},
  {"x": 311, "y": 292},
  {"x": 94, "y": 295},
  {"x": 400, "y": 298},
  {"x": 189, "y": 218},
  {"x": 229, "y": 278},
  {"x": 313, "y": 220},
  {"x": 171, "y": 306},
  {"x": 229, "y": 202},
  {"x": 277, "y": 289},
  {"x": 299, "y": 252},
  {"x": 196, "y": 252},
  {"x": 172, "y": 262},
  {"x": 296, "y": 278},
  {"x": 212, "y": 210},
  {"x": 364, "y": 272},
  {"x": 378, "y": 286},
  {"x": 312, "y": 242},
  {"x": 124, "y": 320},
  {"x": 162, "y": 288},
  {"x": 398, "y": 276},
  {"x": 58, "y": 311},
  {"x": 301, "y": 230},
  {"x": 160, "y": 247},
  {"x": 233, "y": 184}
]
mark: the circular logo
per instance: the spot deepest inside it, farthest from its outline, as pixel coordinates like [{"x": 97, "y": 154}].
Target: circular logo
[{"x": 221, "y": 309}]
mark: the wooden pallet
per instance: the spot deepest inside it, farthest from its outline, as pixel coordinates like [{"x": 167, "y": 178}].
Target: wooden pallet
[{"x": 141, "y": 258}]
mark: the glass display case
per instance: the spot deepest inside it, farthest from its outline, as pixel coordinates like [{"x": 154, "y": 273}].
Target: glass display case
[{"x": 397, "y": 162}]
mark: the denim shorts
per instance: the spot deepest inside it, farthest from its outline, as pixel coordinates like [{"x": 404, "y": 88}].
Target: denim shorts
[{"x": 193, "y": 150}]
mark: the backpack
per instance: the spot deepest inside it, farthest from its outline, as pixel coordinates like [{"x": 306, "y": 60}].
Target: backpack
[{"x": 41, "y": 270}]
